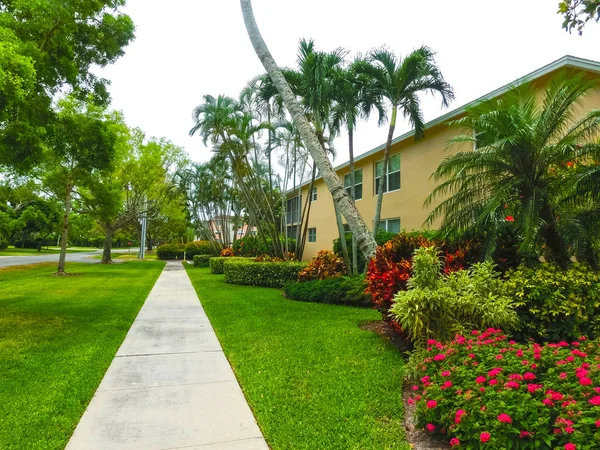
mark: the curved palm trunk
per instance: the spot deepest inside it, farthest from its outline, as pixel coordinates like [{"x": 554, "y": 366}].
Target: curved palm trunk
[
  {"x": 353, "y": 195},
  {"x": 364, "y": 239},
  {"x": 386, "y": 157}
]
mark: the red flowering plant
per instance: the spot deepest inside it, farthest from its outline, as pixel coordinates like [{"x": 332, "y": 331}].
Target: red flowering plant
[
  {"x": 486, "y": 392},
  {"x": 391, "y": 267}
]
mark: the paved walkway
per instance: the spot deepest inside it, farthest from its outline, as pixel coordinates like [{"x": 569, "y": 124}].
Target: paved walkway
[
  {"x": 170, "y": 385},
  {"x": 86, "y": 257}
]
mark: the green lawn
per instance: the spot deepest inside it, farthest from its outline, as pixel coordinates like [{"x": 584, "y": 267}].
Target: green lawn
[
  {"x": 58, "y": 336},
  {"x": 11, "y": 251},
  {"x": 313, "y": 378}
]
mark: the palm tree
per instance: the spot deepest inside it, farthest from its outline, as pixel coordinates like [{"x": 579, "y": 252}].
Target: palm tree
[
  {"x": 520, "y": 169},
  {"x": 340, "y": 197},
  {"x": 232, "y": 131},
  {"x": 399, "y": 81},
  {"x": 355, "y": 96}
]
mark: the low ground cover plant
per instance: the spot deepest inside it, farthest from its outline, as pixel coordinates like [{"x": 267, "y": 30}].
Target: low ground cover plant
[
  {"x": 325, "y": 265},
  {"x": 437, "y": 306},
  {"x": 268, "y": 274},
  {"x": 484, "y": 391},
  {"x": 339, "y": 290},
  {"x": 201, "y": 260},
  {"x": 556, "y": 304}
]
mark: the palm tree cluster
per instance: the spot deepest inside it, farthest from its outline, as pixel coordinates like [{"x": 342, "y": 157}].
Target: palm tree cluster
[
  {"x": 334, "y": 93},
  {"x": 535, "y": 172}
]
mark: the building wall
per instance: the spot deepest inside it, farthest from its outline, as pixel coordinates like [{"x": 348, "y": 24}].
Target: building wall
[{"x": 418, "y": 160}]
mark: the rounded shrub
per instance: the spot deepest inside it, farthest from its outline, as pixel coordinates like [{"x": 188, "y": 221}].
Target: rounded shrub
[
  {"x": 339, "y": 290},
  {"x": 201, "y": 260}
]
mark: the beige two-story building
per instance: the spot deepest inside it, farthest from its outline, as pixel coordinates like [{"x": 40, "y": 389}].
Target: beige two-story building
[{"x": 408, "y": 179}]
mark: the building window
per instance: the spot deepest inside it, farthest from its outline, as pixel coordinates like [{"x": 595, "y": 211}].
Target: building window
[
  {"x": 293, "y": 210},
  {"x": 390, "y": 225},
  {"x": 313, "y": 197},
  {"x": 391, "y": 182},
  {"x": 358, "y": 183},
  {"x": 292, "y": 231},
  {"x": 312, "y": 235}
]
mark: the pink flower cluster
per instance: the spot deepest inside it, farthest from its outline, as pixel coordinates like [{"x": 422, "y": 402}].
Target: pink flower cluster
[{"x": 466, "y": 380}]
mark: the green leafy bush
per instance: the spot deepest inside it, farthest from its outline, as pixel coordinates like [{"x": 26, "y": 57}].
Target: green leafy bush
[
  {"x": 170, "y": 251},
  {"x": 438, "y": 307},
  {"x": 3, "y": 244},
  {"x": 250, "y": 246},
  {"x": 199, "y": 248},
  {"x": 270, "y": 274},
  {"x": 482, "y": 391},
  {"x": 216, "y": 264},
  {"x": 201, "y": 260},
  {"x": 340, "y": 290},
  {"x": 556, "y": 304}
]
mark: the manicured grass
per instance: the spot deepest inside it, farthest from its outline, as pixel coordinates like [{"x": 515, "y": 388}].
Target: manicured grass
[
  {"x": 11, "y": 251},
  {"x": 58, "y": 336},
  {"x": 313, "y": 378}
]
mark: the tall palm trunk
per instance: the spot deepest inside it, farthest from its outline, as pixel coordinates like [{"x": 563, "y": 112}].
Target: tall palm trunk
[
  {"x": 340, "y": 196},
  {"x": 65, "y": 231},
  {"x": 352, "y": 194},
  {"x": 382, "y": 180},
  {"x": 342, "y": 234}
]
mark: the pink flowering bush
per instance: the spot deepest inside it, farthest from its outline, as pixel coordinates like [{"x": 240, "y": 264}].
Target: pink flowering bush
[{"x": 486, "y": 392}]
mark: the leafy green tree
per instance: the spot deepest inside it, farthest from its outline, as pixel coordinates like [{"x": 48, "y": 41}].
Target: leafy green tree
[
  {"x": 47, "y": 47},
  {"x": 399, "y": 81},
  {"x": 578, "y": 12},
  {"x": 82, "y": 141},
  {"x": 521, "y": 170}
]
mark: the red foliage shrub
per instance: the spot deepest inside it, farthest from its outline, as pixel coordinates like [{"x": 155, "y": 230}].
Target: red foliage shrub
[
  {"x": 391, "y": 268},
  {"x": 325, "y": 265},
  {"x": 227, "y": 252}
]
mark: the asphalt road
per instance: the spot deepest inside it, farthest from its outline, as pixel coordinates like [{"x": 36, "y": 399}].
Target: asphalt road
[{"x": 87, "y": 257}]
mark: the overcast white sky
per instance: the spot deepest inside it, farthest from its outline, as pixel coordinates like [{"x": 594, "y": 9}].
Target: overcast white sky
[{"x": 187, "y": 48}]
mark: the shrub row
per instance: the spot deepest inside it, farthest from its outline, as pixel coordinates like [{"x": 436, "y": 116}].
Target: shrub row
[
  {"x": 218, "y": 262},
  {"x": 176, "y": 251},
  {"x": 269, "y": 274},
  {"x": 201, "y": 260},
  {"x": 250, "y": 246},
  {"x": 339, "y": 290}
]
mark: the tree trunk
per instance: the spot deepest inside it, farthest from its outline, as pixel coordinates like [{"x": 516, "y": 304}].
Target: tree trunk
[
  {"x": 352, "y": 194},
  {"x": 386, "y": 157},
  {"x": 554, "y": 241},
  {"x": 65, "y": 233},
  {"x": 342, "y": 233},
  {"x": 106, "y": 257},
  {"x": 357, "y": 225}
]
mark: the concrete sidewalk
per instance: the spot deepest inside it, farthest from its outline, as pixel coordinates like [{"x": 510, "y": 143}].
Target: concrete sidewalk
[{"x": 170, "y": 385}]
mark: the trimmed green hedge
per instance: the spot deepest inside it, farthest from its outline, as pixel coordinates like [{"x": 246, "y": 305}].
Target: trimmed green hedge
[
  {"x": 191, "y": 249},
  {"x": 338, "y": 290},
  {"x": 269, "y": 274},
  {"x": 216, "y": 263},
  {"x": 201, "y": 260}
]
